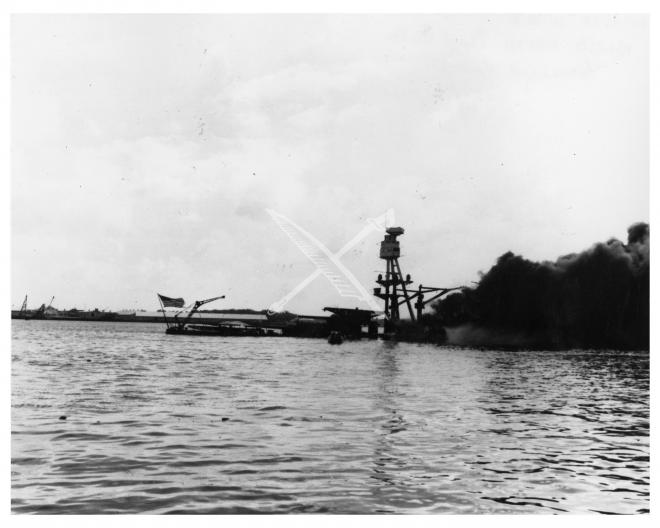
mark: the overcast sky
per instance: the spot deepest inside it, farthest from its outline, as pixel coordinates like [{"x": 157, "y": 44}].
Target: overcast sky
[{"x": 146, "y": 149}]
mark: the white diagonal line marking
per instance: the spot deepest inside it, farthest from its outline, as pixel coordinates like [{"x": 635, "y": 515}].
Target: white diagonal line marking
[{"x": 343, "y": 287}]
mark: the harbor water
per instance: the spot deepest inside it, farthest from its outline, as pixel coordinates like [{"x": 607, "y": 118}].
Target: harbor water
[{"x": 178, "y": 424}]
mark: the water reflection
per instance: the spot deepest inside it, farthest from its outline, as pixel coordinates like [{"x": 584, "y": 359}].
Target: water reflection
[{"x": 387, "y": 406}]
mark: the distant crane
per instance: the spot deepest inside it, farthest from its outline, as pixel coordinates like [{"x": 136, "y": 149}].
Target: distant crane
[
  {"x": 41, "y": 311},
  {"x": 23, "y": 311},
  {"x": 195, "y": 307}
]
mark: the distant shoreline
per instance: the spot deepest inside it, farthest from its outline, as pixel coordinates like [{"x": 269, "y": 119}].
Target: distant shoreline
[{"x": 155, "y": 317}]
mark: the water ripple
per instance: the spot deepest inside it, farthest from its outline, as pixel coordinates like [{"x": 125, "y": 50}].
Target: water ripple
[{"x": 156, "y": 424}]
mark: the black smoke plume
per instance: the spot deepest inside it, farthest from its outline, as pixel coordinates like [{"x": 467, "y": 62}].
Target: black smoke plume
[{"x": 598, "y": 298}]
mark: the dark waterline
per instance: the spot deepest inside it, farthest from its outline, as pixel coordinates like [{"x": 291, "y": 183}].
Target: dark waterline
[{"x": 176, "y": 424}]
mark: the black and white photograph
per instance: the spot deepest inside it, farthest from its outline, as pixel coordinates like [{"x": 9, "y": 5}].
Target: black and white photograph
[{"x": 329, "y": 263}]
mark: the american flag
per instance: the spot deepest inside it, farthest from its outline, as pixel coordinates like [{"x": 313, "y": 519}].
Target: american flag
[{"x": 169, "y": 302}]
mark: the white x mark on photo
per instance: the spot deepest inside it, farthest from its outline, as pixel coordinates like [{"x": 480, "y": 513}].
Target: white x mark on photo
[{"x": 327, "y": 263}]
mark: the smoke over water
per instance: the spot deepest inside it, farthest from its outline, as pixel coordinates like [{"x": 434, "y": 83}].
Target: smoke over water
[{"x": 598, "y": 298}]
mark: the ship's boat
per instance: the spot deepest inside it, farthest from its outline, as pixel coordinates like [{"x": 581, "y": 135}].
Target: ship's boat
[{"x": 335, "y": 338}]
